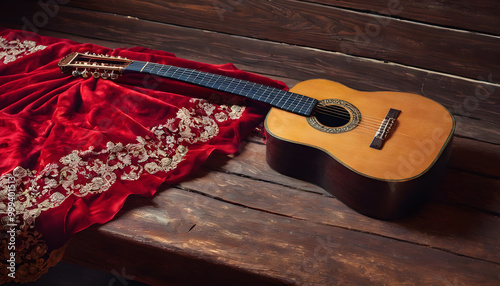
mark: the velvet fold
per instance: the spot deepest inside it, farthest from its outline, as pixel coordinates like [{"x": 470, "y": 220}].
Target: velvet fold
[{"x": 75, "y": 149}]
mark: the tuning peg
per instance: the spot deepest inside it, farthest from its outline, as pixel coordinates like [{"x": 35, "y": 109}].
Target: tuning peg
[
  {"x": 113, "y": 76},
  {"x": 85, "y": 74},
  {"x": 96, "y": 74},
  {"x": 104, "y": 75},
  {"x": 76, "y": 73}
]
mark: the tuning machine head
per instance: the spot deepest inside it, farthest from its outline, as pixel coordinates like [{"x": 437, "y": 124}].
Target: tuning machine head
[
  {"x": 77, "y": 73},
  {"x": 97, "y": 66}
]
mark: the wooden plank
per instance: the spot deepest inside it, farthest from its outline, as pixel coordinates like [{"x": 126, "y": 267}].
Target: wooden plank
[
  {"x": 466, "y": 189},
  {"x": 474, "y": 156},
  {"x": 324, "y": 27},
  {"x": 466, "y": 154},
  {"x": 479, "y": 16},
  {"x": 478, "y": 129},
  {"x": 469, "y": 98},
  {"x": 290, "y": 251},
  {"x": 250, "y": 162},
  {"x": 440, "y": 226}
]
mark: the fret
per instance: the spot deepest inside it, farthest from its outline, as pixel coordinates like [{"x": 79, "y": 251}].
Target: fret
[
  {"x": 249, "y": 89},
  {"x": 195, "y": 74},
  {"x": 229, "y": 85},
  {"x": 183, "y": 71},
  {"x": 304, "y": 102},
  {"x": 297, "y": 105},
  {"x": 288, "y": 101},
  {"x": 252, "y": 88},
  {"x": 162, "y": 66},
  {"x": 153, "y": 68},
  {"x": 194, "y": 79},
  {"x": 144, "y": 66},
  {"x": 168, "y": 69},
  {"x": 174, "y": 72},
  {"x": 283, "y": 93},
  {"x": 264, "y": 93},
  {"x": 190, "y": 72},
  {"x": 302, "y": 105},
  {"x": 235, "y": 87},
  {"x": 203, "y": 80},
  {"x": 270, "y": 93},
  {"x": 277, "y": 103},
  {"x": 213, "y": 82}
]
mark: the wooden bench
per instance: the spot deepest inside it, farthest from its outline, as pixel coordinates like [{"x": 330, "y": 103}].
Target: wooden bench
[{"x": 238, "y": 222}]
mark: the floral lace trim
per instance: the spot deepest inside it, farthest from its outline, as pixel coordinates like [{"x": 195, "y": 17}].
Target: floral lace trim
[
  {"x": 85, "y": 172},
  {"x": 13, "y": 50},
  {"x": 26, "y": 193}
]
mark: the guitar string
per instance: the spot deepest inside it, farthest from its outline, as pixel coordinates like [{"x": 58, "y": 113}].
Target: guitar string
[
  {"x": 370, "y": 126},
  {"x": 228, "y": 86},
  {"x": 368, "y": 122},
  {"x": 340, "y": 110},
  {"x": 222, "y": 81},
  {"x": 342, "y": 115},
  {"x": 371, "y": 122}
]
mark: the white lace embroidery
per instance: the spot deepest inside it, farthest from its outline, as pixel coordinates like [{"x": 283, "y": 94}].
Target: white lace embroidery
[
  {"x": 15, "y": 49},
  {"x": 84, "y": 172}
]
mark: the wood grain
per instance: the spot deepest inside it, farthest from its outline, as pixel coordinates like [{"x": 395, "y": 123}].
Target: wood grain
[
  {"x": 238, "y": 222},
  {"x": 293, "y": 251},
  {"x": 479, "y": 16},
  {"x": 466, "y": 182},
  {"x": 442, "y": 225},
  {"x": 449, "y": 228},
  {"x": 468, "y": 98},
  {"x": 325, "y": 27}
]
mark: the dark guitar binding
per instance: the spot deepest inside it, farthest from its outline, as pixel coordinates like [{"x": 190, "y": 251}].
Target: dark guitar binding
[{"x": 374, "y": 198}]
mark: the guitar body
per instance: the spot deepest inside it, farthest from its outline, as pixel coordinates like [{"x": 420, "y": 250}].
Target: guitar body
[{"x": 383, "y": 183}]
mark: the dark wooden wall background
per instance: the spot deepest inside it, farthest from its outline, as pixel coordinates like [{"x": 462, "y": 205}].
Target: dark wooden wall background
[{"x": 445, "y": 50}]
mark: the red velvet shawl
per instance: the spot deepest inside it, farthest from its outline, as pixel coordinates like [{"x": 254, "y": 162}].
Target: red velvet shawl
[{"x": 73, "y": 149}]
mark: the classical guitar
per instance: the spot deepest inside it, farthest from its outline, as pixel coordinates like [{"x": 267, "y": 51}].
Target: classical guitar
[{"x": 378, "y": 152}]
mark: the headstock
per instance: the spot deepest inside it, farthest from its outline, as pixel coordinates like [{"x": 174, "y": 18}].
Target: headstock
[{"x": 97, "y": 66}]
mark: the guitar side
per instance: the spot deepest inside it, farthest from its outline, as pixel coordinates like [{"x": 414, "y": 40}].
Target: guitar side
[{"x": 385, "y": 183}]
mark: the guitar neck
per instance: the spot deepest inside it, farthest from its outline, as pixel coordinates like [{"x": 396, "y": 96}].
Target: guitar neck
[{"x": 278, "y": 98}]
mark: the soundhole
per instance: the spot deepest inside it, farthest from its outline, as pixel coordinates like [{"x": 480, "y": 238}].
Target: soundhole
[{"x": 334, "y": 116}]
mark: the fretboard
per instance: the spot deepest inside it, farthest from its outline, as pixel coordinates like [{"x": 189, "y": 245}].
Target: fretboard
[{"x": 285, "y": 100}]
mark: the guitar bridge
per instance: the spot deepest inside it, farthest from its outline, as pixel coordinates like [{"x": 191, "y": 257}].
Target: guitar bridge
[{"x": 385, "y": 128}]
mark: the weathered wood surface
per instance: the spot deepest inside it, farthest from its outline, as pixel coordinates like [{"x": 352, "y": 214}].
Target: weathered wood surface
[
  {"x": 460, "y": 52},
  {"x": 271, "y": 245},
  {"x": 238, "y": 222},
  {"x": 454, "y": 15},
  {"x": 469, "y": 98},
  {"x": 329, "y": 28}
]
